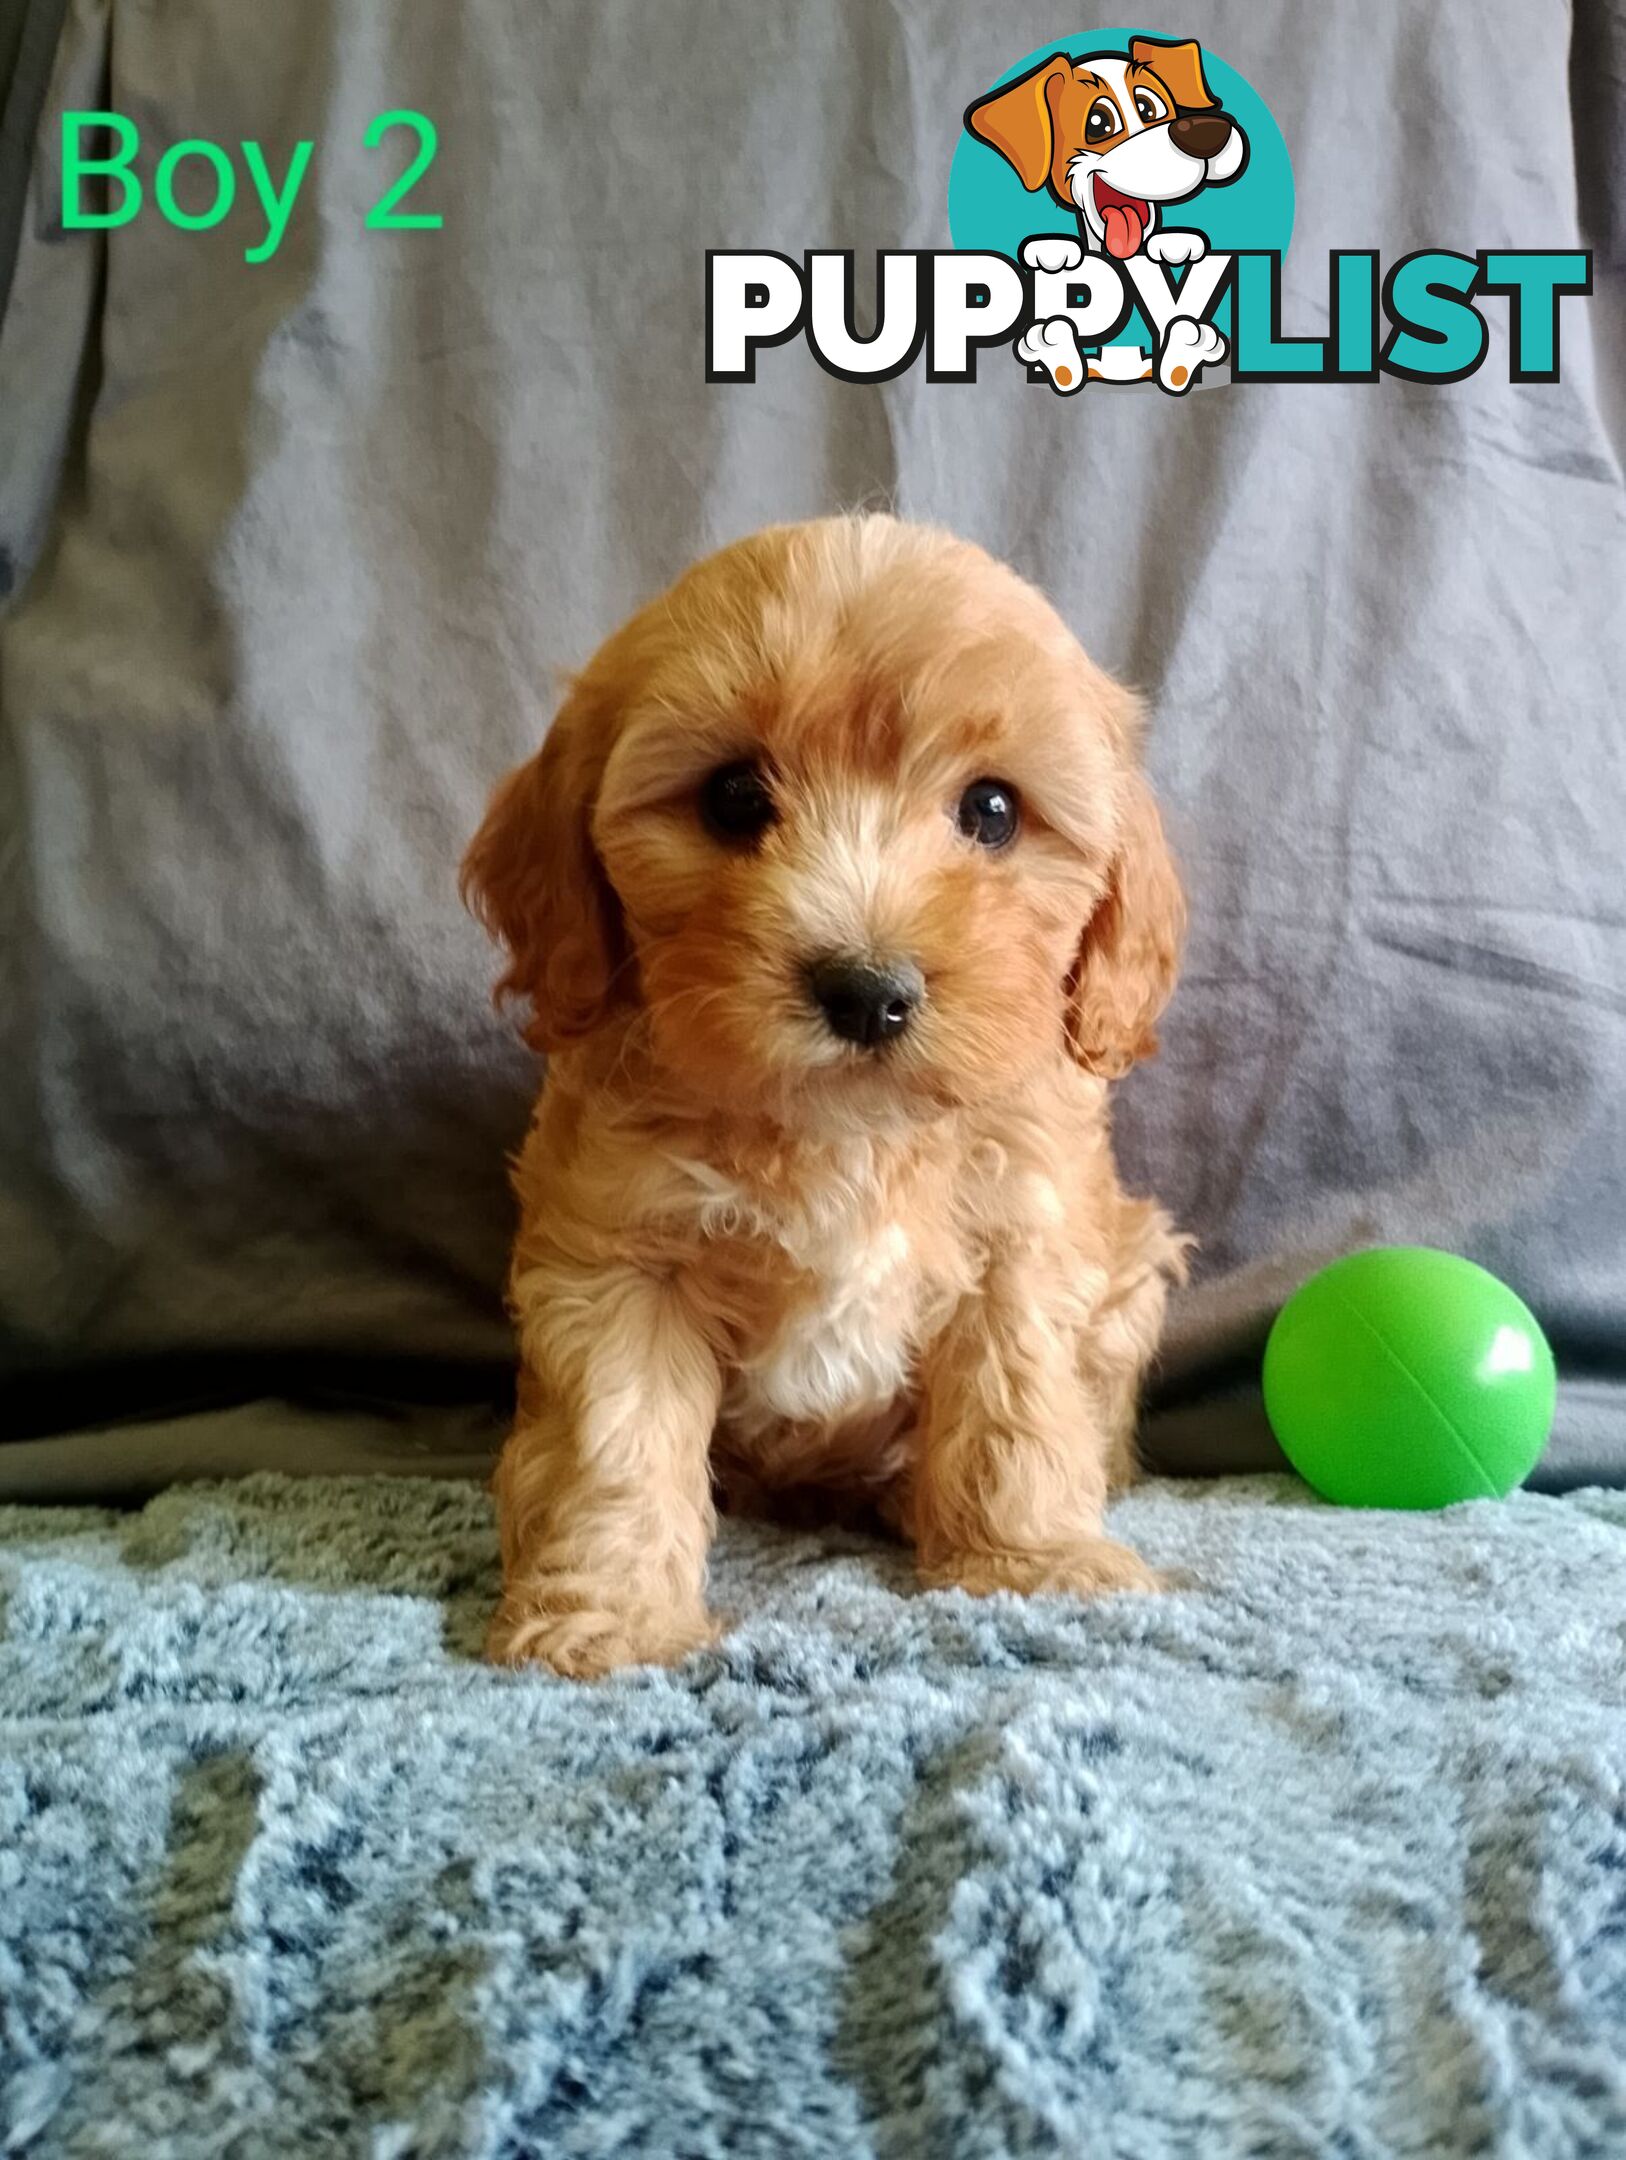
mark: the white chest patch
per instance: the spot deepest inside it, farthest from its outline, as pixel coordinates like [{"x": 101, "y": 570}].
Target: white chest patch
[{"x": 843, "y": 1349}]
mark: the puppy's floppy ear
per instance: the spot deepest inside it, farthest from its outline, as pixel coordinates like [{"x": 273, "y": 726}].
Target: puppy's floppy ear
[
  {"x": 1179, "y": 61},
  {"x": 1130, "y": 952},
  {"x": 1018, "y": 121},
  {"x": 533, "y": 877}
]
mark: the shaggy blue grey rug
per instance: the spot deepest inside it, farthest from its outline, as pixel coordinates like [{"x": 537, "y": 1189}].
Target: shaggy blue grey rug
[{"x": 1324, "y": 1853}]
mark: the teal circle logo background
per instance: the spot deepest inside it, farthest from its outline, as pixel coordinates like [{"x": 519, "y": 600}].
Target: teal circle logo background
[{"x": 988, "y": 207}]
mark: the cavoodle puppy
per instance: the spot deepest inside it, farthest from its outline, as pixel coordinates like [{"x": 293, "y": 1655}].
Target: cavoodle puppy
[{"x": 837, "y": 899}]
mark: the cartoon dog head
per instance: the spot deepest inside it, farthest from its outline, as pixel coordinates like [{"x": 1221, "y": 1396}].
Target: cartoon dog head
[{"x": 1114, "y": 135}]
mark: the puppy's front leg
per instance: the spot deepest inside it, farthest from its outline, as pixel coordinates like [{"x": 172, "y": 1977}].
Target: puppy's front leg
[
  {"x": 603, "y": 1490},
  {"x": 1012, "y": 1475}
]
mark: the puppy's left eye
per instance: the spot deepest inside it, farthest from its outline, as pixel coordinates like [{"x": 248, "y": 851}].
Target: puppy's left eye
[
  {"x": 1150, "y": 107},
  {"x": 989, "y": 813},
  {"x": 736, "y": 803}
]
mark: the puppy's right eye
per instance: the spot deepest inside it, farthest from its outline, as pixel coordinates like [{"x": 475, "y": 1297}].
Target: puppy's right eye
[
  {"x": 736, "y": 803},
  {"x": 1101, "y": 121}
]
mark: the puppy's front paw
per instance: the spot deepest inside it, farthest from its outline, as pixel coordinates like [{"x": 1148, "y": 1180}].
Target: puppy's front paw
[
  {"x": 1177, "y": 247},
  {"x": 1092, "y": 1567},
  {"x": 1052, "y": 252},
  {"x": 554, "y": 1622}
]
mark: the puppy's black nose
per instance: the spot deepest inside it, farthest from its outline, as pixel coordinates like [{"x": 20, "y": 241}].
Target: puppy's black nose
[
  {"x": 862, "y": 1001},
  {"x": 1203, "y": 134}
]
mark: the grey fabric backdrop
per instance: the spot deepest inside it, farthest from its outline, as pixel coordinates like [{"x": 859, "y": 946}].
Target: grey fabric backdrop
[{"x": 296, "y": 551}]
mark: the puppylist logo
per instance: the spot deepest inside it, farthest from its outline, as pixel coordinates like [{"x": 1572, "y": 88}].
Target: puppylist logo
[{"x": 1119, "y": 204}]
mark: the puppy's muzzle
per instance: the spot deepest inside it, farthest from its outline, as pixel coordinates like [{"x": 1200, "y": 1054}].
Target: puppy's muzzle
[
  {"x": 1201, "y": 135},
  {"x": 865, "y": 1001}
]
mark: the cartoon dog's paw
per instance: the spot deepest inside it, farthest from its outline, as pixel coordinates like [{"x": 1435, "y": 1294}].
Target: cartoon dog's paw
[
  {"x": 1177, "y": 247},
  {"x": 1187, "y": 347},
  {"x": 1052, "y": 251},
  {"x": 1053, "y": 346}
]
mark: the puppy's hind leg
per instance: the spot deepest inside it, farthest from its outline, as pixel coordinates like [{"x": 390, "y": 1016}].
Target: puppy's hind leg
[
  {"x": 1054, "y": 347},
  {"x": 1187, "y": 348},
  {"x": 1117, "y": 1348}
]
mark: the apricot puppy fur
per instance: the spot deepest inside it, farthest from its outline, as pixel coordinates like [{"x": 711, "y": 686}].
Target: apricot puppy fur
[{"x": 837, "y": 899}]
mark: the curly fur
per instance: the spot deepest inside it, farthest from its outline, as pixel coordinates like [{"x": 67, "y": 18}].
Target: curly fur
[{"x": 753, "y": 1257}]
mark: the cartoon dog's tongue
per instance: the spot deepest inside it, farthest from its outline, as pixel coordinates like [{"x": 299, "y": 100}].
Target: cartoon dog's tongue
[
  {"x": 1124, "y": 218},
  {"x": 1124, "y": 228}
]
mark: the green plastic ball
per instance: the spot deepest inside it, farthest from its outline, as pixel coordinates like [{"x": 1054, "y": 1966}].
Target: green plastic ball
[{"x": 1409, "y": 1378}]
